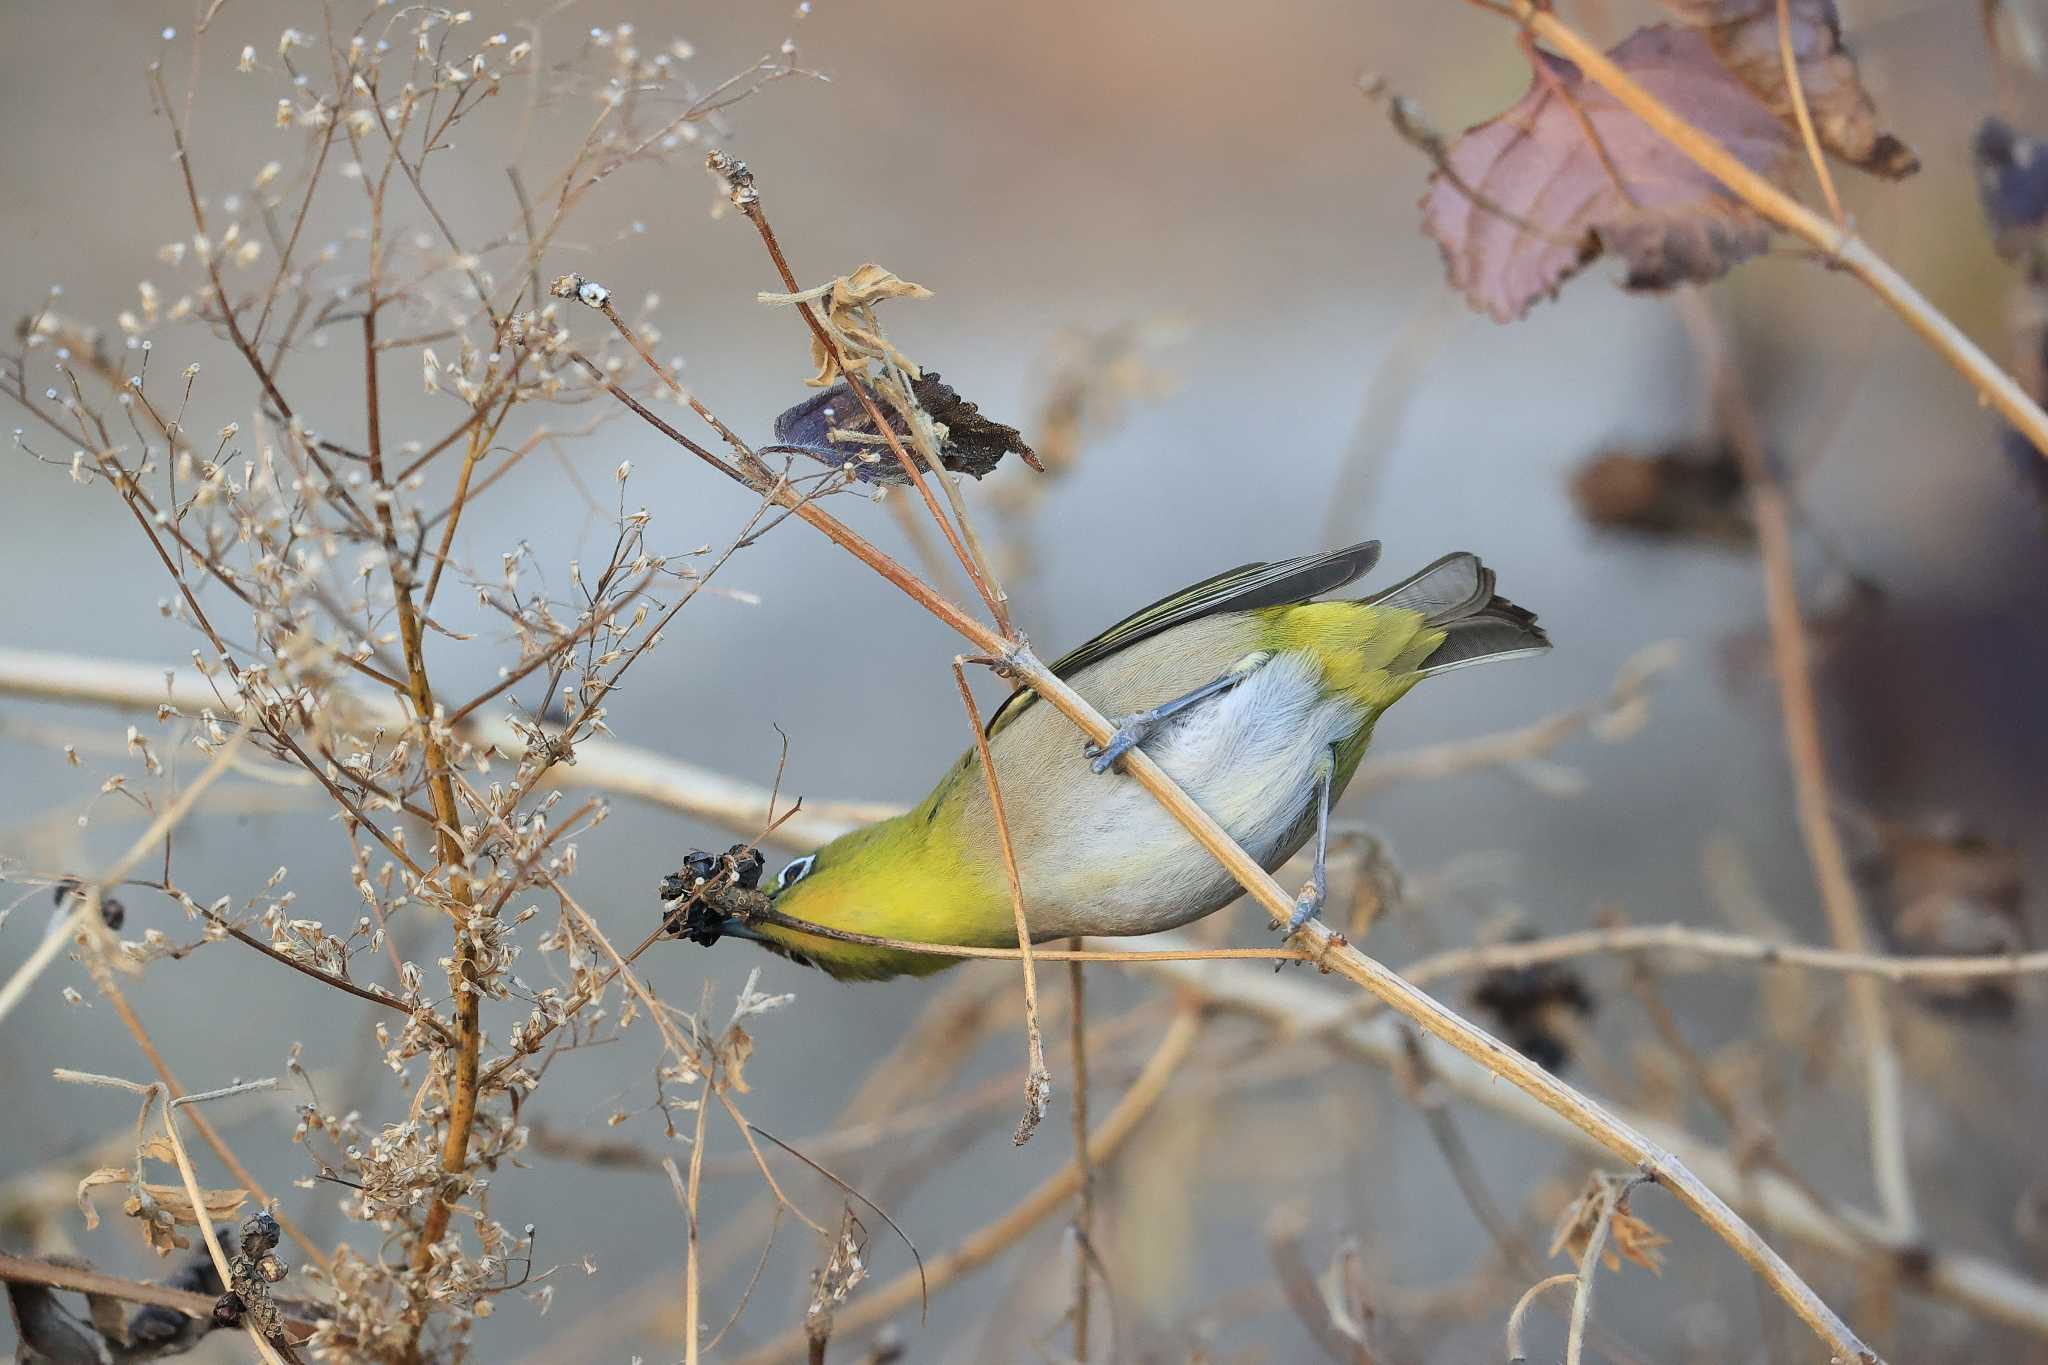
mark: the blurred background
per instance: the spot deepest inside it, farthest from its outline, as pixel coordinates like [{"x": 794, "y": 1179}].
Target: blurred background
[{"x": 1201, "y": 192}]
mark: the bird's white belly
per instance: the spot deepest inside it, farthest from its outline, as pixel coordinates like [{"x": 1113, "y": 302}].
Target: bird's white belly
[{"x": 1249, "y": 757}]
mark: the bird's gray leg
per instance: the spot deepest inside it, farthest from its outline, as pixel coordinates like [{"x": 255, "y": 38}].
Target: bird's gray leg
[
  {"x": 1309, "y": 904},
  {"x": 1136, "y": 728}
]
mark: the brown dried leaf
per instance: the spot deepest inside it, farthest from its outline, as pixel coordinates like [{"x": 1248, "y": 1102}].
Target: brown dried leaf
[
  {"x": 220, "y": 1204},
  {"x": 733, "y": 1051},
  {"x": 1628, "y": 1236},
  {"x": 846, "y": 306},
  {"x": 105, "y": 1175},
  {"x": 1547, "y": 203},
  {"x": 1745, "y": 35}
]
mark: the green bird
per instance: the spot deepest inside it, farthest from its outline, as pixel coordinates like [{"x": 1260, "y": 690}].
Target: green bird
[{"x": 1255, "y": 697}]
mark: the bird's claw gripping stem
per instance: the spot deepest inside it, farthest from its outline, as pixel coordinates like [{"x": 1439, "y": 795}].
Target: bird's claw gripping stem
[
  {"x": 1307, "y": 906},
  {"x": 1136, "y": 728},
  {"x": 1131, "y": 731}
]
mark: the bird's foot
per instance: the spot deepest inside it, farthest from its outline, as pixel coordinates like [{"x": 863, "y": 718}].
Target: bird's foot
[
  {"x": 1307, "y": 906},
  {"x": 1131, "y": 731}
]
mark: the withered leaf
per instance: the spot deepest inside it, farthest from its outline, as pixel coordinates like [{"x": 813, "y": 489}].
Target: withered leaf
[
  {"x": 1550, "y": 203},
  {"x": 733, "y": 1051},
  {"x": 1678, "y": 493},
  {"x": 161, "y": 1209},
  {"x": 1628, "y": 1237},
  {"x": 2012, "y": 184},
  {"x": 847, "y": 305},
  {"x": 834, "y": 427},
  {"x": 1745, "y": 35}
]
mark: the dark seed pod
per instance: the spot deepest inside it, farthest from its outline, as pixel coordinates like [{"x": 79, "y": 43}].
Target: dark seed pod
[
  {"x": 259, "y": 1233},
  {"x": 228, "y": 1309},
  {"x": 747, "y": 864}
]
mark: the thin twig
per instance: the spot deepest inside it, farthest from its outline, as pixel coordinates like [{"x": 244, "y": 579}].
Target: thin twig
[
  {"x": 1084, "y": 1194},
  {"x": 27, "y": 1270},
  {"x": 1589, "y": 1261},
  {"x": 213, "y": 1246},
  {"x": 1038, "y": 1081},
  {"x": 1518, "y": 1354},
  {"x": 1804, "y": 116}
]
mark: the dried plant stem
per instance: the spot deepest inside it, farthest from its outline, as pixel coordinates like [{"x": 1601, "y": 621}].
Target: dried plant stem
[
  {"x": 1804, "y": 116},
  {"x": 1037, "y": 1080},
  {"x": 1084, "y": 1193},
  {"x": 1518, "y": 1354},
  {"x": 601, "y": 764},
  {"x": 878, "y": 1305},
  {"x": 448, "y": 851},
  {"x": 26, "y": 1270},
  {"x": 1683, "y": 940},
  {"x": 213, "y": 1246},
  {"x": 686, "y": 1195},
  {"x": 1840, "y": 245},
  {"x": 1799, "y": 713},
  {"x": 1589, "y": 1265}
]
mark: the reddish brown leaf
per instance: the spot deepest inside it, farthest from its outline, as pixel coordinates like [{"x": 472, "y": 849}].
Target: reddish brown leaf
[
  {"x": 1525, "y": 200},
  {"x": 1745, "y": 34}
]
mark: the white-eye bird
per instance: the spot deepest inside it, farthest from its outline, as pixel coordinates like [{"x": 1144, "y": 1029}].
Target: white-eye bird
[{"x": 1256, "y": 698}]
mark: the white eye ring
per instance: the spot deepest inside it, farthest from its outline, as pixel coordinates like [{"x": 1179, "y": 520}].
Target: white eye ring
[{"x": 794, "y": 871}]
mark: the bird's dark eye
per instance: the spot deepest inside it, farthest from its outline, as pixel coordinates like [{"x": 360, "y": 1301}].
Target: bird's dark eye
[{"x": 795, "y": 871}]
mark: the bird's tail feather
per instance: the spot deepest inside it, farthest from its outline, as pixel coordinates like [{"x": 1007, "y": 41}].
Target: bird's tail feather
[{"x": 1455, "y": 595}]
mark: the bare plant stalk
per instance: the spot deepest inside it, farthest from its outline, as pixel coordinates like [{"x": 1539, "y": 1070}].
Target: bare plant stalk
[
  {"x": 1518, "y": 1354},
  {"x": 213, "y": 1246},
  {"x": 1839, "y": 244},
  {"x": 1790, "y": 61},
  {"x": 1037, "y": 1080},
  {"x": 1589, "y": 1264},
  {"x": 1084, "y": 1195},
  {"x": 1799, "y": 713},
  {"x": 53, "y": 1275},
  {"x": 1683, "y": 940}
]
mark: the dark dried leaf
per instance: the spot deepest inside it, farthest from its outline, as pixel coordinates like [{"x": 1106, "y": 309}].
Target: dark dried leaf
[
  {"x": 1533, "y": 1008},
  {"x": 1745, "y": 35},
  {"x": 834, "y": 427},
  {"x": 1680, "y": 493},
  {"x": 2012, "y": 184},
  {"x": 1548, "y": 204}
]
